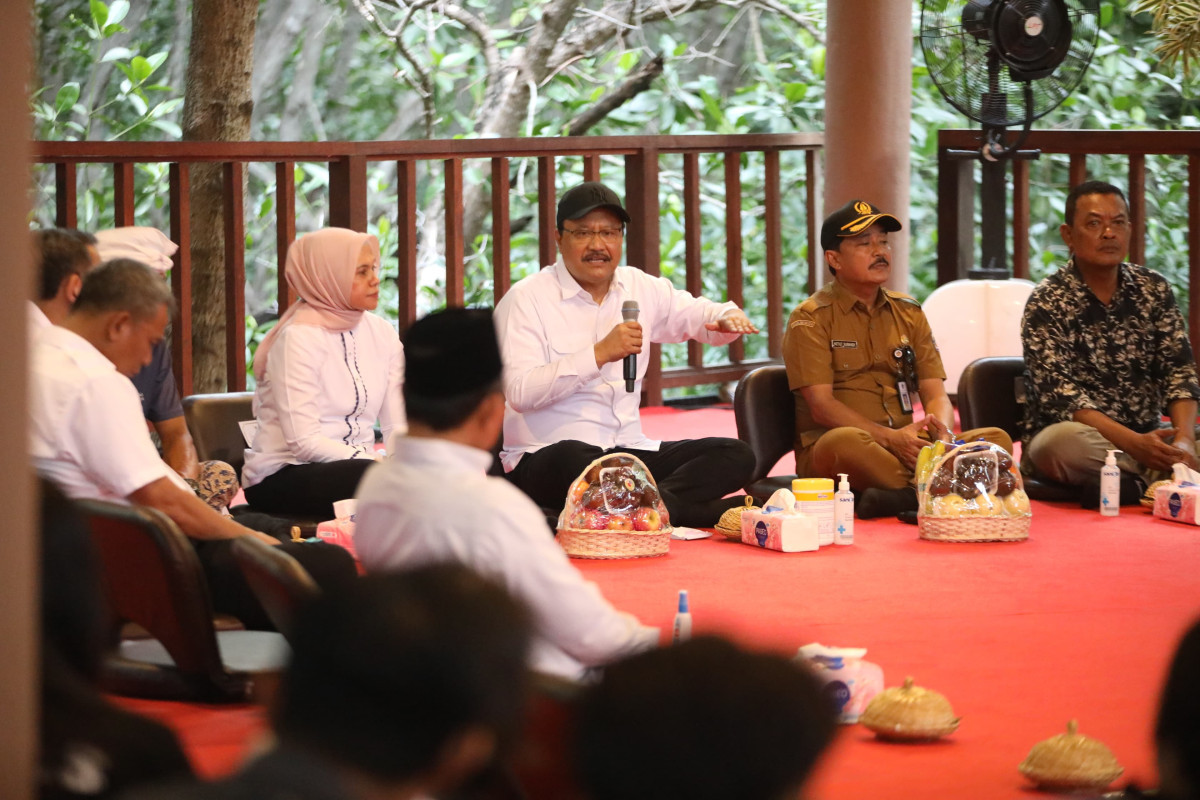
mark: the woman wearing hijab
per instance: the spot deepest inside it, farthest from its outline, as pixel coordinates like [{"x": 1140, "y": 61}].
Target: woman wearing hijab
[{"x": 326, "y": 373}]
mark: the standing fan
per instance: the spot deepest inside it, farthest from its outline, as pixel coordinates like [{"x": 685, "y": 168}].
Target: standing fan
[{"x": 1005, "y": 63}]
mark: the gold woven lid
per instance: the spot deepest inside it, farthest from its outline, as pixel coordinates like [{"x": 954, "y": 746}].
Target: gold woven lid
[
  {"x": 1071, "y": 761},
  {"x": 730, "y": 522},
  {"x": 909, "y": 712}
]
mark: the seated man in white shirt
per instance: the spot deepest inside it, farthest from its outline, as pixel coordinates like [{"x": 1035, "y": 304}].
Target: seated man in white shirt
[
  {"x": 63, "y": 257},
  {"x": 433, "y": 501},
  {"x": 89, "y": 436},
  {"x": 563, "y": 339}
]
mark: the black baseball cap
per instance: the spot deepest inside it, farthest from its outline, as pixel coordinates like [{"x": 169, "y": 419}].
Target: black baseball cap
[
  {"x": 851, "y": 220},
  {"x": 586, "y": 198}
]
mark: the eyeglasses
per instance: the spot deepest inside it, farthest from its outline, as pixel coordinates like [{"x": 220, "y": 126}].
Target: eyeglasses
[
  {"x": 584, "y": 235},
  {"x": 872, "y": 242}
]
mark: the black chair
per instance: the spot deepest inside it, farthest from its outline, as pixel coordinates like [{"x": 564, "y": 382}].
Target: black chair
[
  {"x": 214, "y": 420},
  {"x": 765, "y": 412},
  {"x": 991, "y": 393},
  {"x": 153, "y": 577},
  {"x": 277, "y": 579}
]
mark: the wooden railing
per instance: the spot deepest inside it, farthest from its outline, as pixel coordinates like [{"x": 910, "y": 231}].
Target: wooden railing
[
  {"x": 348, "y": 204},
  {"x": 957, "y": 190}
]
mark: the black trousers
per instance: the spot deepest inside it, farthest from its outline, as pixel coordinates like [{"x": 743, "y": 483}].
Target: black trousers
[
  {"x": 308, "y": 490},
  {"x": 692, "y": 475},
  {"x": 331, "y": 567}
]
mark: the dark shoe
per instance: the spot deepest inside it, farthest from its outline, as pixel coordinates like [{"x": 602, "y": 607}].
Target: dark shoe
[
  {"x": 1132, "y": 489},
  {"x": 907, "y": 517},
  {"x": 874, "y": 503}
]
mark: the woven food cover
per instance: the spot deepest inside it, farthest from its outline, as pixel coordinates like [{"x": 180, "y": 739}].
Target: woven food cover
[
  {"x": 971, "y": 493},
  {"x": 1071, "y": 762},
  {"x": 909, "y": 713},
  {"x": 614, "y": 510},
  {"x": 730, "y": 523}
]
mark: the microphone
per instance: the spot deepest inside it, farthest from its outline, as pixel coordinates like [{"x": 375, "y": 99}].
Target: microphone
[{"x": 629, "y": 313}]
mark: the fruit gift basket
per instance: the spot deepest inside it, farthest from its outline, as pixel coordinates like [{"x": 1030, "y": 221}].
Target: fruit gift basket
[
  {"x": 614, "y": 510},
  {"x": 971, "y": 493}
]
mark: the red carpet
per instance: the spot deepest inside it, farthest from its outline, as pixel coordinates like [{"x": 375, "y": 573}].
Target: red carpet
[{"x": 1078, "y": 622}]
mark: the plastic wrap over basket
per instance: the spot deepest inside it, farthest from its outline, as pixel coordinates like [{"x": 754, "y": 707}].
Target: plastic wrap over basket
[
  {"x": 971, "y": 493},
  {"x": 614, "y": 510}
]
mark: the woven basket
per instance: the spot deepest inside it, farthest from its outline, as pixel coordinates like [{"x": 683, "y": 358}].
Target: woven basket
[
  {"x": 730, "y": 523},
  {"x": 1071, "y": 762},
  {"x": 974, "y": 529},
  {"x": 909, "y": 713},
  {"x": 582, "y": 543}
]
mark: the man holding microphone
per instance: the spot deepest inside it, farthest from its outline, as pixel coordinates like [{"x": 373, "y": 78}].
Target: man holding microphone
[{"x": 565, "y": 334}]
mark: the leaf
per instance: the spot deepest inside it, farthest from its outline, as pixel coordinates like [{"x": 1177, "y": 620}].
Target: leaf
[
  {"x": 137, "y": 102},
  {"x": 116, "y": 53},
  {"x": 117, "y": 12},
  {"x": 66, "y": 98},
  {"x": 140, "y": 70},
  {"x": 99, "y": 14}
]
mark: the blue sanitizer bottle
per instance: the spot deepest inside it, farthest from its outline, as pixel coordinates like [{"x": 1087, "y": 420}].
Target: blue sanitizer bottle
[{"x": 683, "y": 620}]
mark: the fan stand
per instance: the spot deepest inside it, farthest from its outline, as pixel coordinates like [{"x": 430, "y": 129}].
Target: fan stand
[{"x": 993, "y": 187}]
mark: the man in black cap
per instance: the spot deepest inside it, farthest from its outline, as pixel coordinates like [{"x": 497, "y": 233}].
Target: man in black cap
[
  {"x": 564, "y": 340},
  {"x": 858, "y": 357},
  {"x": 433, "y": 501}
]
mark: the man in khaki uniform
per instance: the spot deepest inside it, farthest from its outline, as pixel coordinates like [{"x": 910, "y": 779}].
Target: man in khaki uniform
[{"x": 858, "y": 358}]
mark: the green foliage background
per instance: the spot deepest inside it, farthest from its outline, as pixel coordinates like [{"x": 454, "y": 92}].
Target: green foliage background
[{"x": 103, "y": 75}]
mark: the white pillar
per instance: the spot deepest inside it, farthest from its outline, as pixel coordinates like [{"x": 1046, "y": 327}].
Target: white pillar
[{"x": 868, "y": 110}]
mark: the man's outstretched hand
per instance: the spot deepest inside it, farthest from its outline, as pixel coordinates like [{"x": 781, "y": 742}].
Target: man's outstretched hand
[{"x": 735, "y": 321}]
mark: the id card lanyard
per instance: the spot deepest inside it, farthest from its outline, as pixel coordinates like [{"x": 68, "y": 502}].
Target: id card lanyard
[{"x": 906, "y": 366}]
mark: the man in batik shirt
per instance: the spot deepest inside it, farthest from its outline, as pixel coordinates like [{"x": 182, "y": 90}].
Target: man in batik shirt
[{"x": 1106, "y": 355}]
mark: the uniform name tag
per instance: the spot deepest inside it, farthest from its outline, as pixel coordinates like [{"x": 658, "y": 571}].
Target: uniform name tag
[{"x": 849, "y": 343}]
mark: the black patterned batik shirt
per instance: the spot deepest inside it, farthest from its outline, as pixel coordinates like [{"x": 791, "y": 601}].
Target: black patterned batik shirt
[{"x": 1128, "y": 359}]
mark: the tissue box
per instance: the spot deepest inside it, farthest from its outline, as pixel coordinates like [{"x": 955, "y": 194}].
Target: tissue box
[
  {"x": 787, "y": 533},
  {"x": 339, "y": 532},
  {"x": 1177, "y": 503},
  {"x": 851, "y": 687}
]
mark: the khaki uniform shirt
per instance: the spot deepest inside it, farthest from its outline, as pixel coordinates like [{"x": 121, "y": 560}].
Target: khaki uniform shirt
[{"x": 833, "y": 338}]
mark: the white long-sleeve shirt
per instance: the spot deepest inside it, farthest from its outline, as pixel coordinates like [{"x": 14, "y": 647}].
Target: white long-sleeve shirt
[
  {"x": 322, "y": 393},
  {"x": 432, "y": 502},
  {"x": 548, "y": 325},
  {"x": 87, "y": 432}
]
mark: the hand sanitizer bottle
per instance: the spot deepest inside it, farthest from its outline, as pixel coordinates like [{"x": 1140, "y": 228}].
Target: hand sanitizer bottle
[
  {"x": 843, "y": 512},
  {"x": 1110, "y": 486},
  {"x": 683, "y": 620}
]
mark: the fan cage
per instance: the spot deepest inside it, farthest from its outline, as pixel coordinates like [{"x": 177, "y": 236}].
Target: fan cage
[{"x": 985, "y": 79}]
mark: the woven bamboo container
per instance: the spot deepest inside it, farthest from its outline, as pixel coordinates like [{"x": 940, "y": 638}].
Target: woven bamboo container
[
  {"x": 909, "y": 713},
  {"x": 730, "y": 523},
  {"x": 1071, "y": 762}
]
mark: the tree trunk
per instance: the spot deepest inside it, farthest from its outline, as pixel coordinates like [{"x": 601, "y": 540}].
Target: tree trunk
[{"x": 217, "y": 107}]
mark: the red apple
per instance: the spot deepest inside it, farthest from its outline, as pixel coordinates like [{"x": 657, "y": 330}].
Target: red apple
[
  {"x": 620, "y": 522},
  {"x": 594, "y": 521},
  {"x": 646, "y": 519}
]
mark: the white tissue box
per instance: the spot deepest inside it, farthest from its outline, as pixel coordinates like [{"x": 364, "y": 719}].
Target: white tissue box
[{"x": 787, "y": 533}]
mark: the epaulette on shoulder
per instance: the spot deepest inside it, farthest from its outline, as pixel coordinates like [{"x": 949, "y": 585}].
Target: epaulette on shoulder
[
  {"x": 901, "y": 296},
  {"x": 818, "y": 300}
]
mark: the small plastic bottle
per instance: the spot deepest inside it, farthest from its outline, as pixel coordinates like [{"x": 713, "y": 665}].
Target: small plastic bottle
[
  {"x": 683, "y": 620},
  {"x": 1110, "y": 486},
  {"x": 843, "y": 512}
]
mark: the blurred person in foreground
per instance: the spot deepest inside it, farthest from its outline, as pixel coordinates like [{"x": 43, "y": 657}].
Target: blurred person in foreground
[
  {"x": 432, "y": 501},
  {"x": 405, "y": 685},
  {"x": 1106, "y": 355},
  {"x": 699, "y": 720}
]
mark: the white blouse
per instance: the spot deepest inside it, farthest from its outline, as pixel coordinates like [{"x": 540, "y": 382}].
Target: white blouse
[{"x": 322, "y": 393}]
